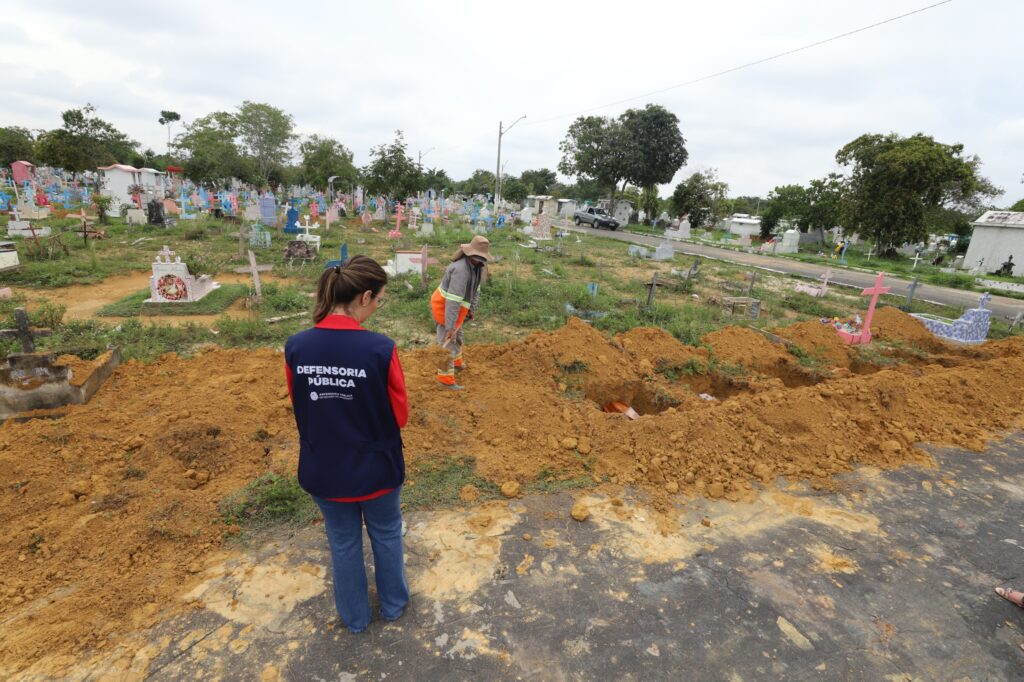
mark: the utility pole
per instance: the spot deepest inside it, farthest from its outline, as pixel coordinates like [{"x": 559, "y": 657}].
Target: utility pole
[
  {"x": 419, "y": 161},
  {"x": 497, "y": 168}
]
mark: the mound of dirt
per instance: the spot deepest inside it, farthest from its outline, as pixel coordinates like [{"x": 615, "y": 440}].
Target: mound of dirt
[
  {"x": 892, "y": 324},
  {"x": 818, "y": 341},
  {"x": 659, "y": 347},
  {"x": 111, "y": 511}
]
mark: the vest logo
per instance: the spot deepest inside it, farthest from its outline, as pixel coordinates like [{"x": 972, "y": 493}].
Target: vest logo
[{"x": 313, "y": 396}]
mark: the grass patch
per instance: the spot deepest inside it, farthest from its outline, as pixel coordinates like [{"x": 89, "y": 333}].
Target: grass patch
[
  {"x": 550, "y": 480},
  {"x": 217, "y": 301},
  {"x": 434, "y": 484},
  {"x": 674, "y": 370},
  {"x": 810, "y": 305},
  {"x": 270, "y": 500}
]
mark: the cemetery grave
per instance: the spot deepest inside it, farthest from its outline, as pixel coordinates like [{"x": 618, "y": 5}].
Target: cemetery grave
[{"x": 545, "y": 375}]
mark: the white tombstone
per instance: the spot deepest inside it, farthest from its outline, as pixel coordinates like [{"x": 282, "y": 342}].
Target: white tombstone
[
  {"x": 404, "y": 261},
  {"x": 135, "y": 216},
  {"x": 8, "y": 257},
  {"x": 252, "y": 211},
  {"x": 173, "y": 283},
  {"x": 664, "y": 251},
  {"x": 790, "y": 242},
  {"x": 426, "y": 230},
  {"x": 16, "y": 227},
  {"x": 526, "y": 215}
]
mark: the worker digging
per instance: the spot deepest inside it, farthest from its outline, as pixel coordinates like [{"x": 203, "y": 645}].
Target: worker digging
[{"x": 454, "y": 302}]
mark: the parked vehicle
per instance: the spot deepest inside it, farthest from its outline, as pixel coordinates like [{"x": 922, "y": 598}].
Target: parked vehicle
[{"x": 595, "y": 217}]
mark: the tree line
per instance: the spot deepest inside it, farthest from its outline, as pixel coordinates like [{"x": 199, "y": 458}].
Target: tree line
[{"x": 894, "y": 190}]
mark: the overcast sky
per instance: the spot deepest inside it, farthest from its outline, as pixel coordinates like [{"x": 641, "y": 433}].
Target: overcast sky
[{"x": 447, "y": 72}]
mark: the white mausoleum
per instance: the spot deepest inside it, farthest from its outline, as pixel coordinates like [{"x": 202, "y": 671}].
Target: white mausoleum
[{"x": 997, "y": 236}]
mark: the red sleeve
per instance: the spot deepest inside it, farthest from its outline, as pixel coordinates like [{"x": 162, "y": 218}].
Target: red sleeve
[
  {"x": 288, "y": 376},
  {"x": 396, "y": 390}
]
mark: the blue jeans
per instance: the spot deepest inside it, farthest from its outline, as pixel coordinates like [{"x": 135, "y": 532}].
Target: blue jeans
[{"x": 344, "y": 524}]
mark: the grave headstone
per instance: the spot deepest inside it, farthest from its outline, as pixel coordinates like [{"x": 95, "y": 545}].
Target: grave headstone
[
  {"x": 664, "y": 251},
  {"x": 171, "y": 281},
  {"x": 291, "y": 221},
  {"x": 268, "y": 210},
  {"x": 259, "y": 238}
]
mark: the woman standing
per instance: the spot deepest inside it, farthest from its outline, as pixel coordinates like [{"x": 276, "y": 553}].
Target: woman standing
[
  {"x": 348, "y": 393},
  {"x": 454, "y": 301}
]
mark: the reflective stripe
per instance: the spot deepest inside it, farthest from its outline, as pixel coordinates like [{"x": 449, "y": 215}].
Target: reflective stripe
[{"x": 450, "y": 297}]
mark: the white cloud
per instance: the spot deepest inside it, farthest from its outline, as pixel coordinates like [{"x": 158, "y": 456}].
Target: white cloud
[{"x": 447, "y": 72}]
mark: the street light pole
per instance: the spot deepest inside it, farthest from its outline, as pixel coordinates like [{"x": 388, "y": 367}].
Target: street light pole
[
  {"x": 497, "y": 168},
  {"x": 421, "y": 155}
]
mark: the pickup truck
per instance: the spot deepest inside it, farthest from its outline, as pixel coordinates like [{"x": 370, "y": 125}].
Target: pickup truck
[{"x": 595, "y": 217}]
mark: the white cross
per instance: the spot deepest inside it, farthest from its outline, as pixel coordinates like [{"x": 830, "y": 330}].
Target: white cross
[
  {"x": 14, "y": 211},
  {"x": 984, "y": 299},
  {"x": 917, "y": 258},
  {"x": 871, "y": 252},
  {"x": 166, "y": 253}
]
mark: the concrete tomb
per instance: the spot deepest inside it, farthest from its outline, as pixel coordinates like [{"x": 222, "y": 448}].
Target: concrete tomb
[{"x": 171, "y": 281}]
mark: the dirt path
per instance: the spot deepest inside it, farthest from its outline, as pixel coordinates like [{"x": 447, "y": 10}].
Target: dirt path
[{"x": 84, "y": 302}]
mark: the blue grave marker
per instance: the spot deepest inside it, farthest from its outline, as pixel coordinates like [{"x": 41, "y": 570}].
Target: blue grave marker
[{"x": 292, "y": 224}]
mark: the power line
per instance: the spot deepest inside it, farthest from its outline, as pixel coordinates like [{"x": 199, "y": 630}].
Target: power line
[{"x": 747, "y": 65}]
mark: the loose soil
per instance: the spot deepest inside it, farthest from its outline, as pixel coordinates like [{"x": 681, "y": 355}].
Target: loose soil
[{"x": 111, "y": 512}]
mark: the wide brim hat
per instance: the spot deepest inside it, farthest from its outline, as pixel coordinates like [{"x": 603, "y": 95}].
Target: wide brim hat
[{"x": 478, "y": 246}]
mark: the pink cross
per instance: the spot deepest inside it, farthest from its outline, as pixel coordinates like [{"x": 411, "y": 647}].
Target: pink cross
[{"x": 865, "y": 333}]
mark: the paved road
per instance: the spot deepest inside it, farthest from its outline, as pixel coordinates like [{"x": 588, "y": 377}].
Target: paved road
[
  {"x": 889, "y": 577},
  {"x": 1000, "y": 305}
]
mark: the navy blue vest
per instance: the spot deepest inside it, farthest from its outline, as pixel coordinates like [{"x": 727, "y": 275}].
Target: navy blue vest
[{"x": 350, "y": 444}]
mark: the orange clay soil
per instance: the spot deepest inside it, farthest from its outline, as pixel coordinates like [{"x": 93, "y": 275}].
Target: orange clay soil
[{"x": 111, "y": 511}]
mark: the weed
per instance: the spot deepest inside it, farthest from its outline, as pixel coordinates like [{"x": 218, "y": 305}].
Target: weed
[
  {"x": 551, "y": 480},
  {"x": 433, "y": 484},
  {"x": 270, "y": 500},
  {"x": 810, "y": 305},
  {"x": 135, "y": 472},
  {"x": 673, "y": 370},
  {"x": 574, "y": 367}
]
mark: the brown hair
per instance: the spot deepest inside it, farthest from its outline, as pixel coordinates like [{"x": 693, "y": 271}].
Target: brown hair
[
  {"x": 458, "y": 254},
  {"x": 342, "y": 283}
]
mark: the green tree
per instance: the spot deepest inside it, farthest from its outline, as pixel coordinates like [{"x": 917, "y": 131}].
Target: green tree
[
  {"x": 265, "y": 134},
  {"x": 480, "y": 182},
  {"x": 785, "y": 202},
  {"x": 168, "y": 118},
  {"x": 596, "y": 148},
  {"x": 210, "y": 153},
  {"x": 391, "y": 171},
  {"x": 438, "y": 180},
  {"x": 16, "y": 144},
  {"x": 539, "y": 181},
  {"x": 895, "y": 180},
  {"x": 322, "y": 158},
  {"x": 824, "y": 203},
  {"x": 656, "y": 145},
  {"x": 650, "y": 202},
  {"x": 1019, "y": 206},
  {"x": 515, "y": 190},
  {"x": 702, "y": 197},
  {"x": 84, "y": 142},
  {"x": 747, "y": 204}
]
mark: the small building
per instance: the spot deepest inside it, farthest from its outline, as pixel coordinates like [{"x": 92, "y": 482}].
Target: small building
[
  {"x": 741, "y": 224},
  {"x": 566, "y": 208},
  {"x": 154, "y": 181},
  {"x": 997, "y": 236},
  {"x": 22, "y": 171},
  {"x": 541, "y": 203},
  {"x": 115, "y": 181}
]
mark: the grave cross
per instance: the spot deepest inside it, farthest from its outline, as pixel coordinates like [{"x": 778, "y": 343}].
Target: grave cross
[
  {"x": 23, "y": 333},
  {"x": 874, "y": 292},
  {"x": 910, "y": 293},
  {"x": 14, "y": 211},
  {"x": 985, "y": 298},
  {"x": 653, "y": 287},
  {"x": 917, "y": 259},
  {"x": 1017, "y": 319},
  {"x": 255, "y": 276},
  {"x": 242, "y": 236},
  {"x": 871, "y": 252}
]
